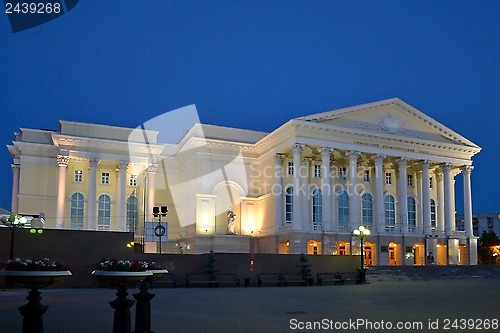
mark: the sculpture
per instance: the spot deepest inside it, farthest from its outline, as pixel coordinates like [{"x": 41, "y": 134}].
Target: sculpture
[{"x": 230, "y": 222}]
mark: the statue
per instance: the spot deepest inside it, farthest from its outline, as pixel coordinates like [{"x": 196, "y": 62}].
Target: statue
[{"x": 230, "y": 222}]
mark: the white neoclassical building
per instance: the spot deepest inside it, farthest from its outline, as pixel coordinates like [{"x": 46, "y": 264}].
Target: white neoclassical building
[{"x": 302, "y": 188}]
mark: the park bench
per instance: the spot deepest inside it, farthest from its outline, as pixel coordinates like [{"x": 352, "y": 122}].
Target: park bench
[
  {"x": 227, "y": 279},
  {"x": 292, "y": 278},
  {"x": 167, "y": 280},
  {"x": 269, "y": 279},
  {"x": 350, "y": 277},
  {"x": 202, "y": 279},
  {"x": 324, "y": 278}
]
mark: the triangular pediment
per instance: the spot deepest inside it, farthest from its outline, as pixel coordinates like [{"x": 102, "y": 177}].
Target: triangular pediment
[{"x": 391, "y": 117}]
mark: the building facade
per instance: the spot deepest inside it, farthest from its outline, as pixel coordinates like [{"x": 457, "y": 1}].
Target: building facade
[{"x": 302, "y": 188}]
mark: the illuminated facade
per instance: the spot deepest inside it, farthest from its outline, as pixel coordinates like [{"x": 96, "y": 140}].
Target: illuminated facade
[{"x": 302, "y": 188}]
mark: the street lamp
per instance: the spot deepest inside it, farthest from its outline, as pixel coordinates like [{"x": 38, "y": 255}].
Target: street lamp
[
  {"x": 14, "y": 222},
  {"x": 160, "y": 212},
  {"x": 361, "y": 233}
]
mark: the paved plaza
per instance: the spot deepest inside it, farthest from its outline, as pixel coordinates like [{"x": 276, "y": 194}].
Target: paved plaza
[{"x": 384, "y": 303}]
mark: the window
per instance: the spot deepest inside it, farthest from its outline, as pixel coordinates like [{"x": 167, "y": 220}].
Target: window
[
  {"x": 290, "y": 168},
  {"x": 390, "y": 212},
  {"x": 366, "y": 176},
  {"x": 367, "y": 209},
  {"x": 317, "y": 171},
  {"x": 289, "y": 205},
  {"x": 433, "y": 214},
  {"x": 343, "y": 209},
  {"x": 132, "y": 180},
  {"x": 490, "y": 222},
  {"x": 76, "y": 207},
  {"x": 132, "y": 213},
  {"x": 410, "y": 180},
  {"x": 78, "y": 176},
  {"x": 430, "y": 182},
  {"x": 317, "y": 210},
  {"x": 105, "y": 178},
  {"x": 104, "y": 212},
  {"x": 342, "y": 173},
  {"x": 412, "y": 213},
  {"x": 388, "y": 178}
]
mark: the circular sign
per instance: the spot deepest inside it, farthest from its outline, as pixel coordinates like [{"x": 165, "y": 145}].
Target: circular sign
[{"x": 159, "y": 230}]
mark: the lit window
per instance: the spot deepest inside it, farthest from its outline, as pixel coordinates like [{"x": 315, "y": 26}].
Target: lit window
[
  {"x": 132, "y": 213},
  {"x": 433, "y": 214},
  {"x": 388, "y": 178},
  {"x": 412, "y": 213},
  {"x": 104, "y": 212},
  {"x": 78, "y": 176},
  {"x": 367, "y": 209},
  {"x": 132, "y": 180},
  {"x": 343, "y": 209},
  {"x": 390, "y": 212},
  {"x": 290, "y": 168},
  {"x": 76, "y": 208},
  {"x": 366, "y": 176},
  {"x": 105, "y": 178},
  {"x": 410, "y": 180},
  {"x": 289, "y": 205},
  {"x": 317, "y": 210}
]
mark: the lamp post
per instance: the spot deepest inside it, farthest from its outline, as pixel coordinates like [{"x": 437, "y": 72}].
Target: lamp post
[
  {"x": 160, "y": 212},
  {"x": 361, "y": 233},
  {"x": 14, "y": 222}
]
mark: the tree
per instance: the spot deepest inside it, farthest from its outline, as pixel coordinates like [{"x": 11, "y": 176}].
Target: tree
[
  {"x": 305, "y": 268},
  {"x": 484, "y": 247},
  {"x": 210, "y": 266}
]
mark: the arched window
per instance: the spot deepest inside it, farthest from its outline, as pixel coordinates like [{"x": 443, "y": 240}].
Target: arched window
[
  {"x": 433, "y": 214},
  {"x": 367, "y": 209},
  {"x": 132, "y": 213},
  {"x": 104, "y": 212},
  {"x": 317, "y": 210},
  {"x": 412, "y": 213},
  {"x": 76, "y": 211},
  {"x": 390, "y": 211},
  {"x": 343, "y": 209},
  {"x": 289, "y": 205}
]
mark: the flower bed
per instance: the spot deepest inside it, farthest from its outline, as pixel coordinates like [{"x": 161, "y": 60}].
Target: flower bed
[{"x": 33, "y": 265}]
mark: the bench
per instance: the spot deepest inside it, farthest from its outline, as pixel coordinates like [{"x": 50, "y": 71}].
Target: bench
[
  {"x": 292, "y": 278},
  {"x": 350, "y": 277},
  {"x": 203, "y": 279},
  {"x": 334, "y": 278},
  {"x": 227, "y": 279},
  {"x": 269, "y": 279},
  {"x": 167, "y": 280}
]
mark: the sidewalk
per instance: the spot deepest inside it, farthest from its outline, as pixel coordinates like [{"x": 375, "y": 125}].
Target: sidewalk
[{"x": 271, "y": 309}]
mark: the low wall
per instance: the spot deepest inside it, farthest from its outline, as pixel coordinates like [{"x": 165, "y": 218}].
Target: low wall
[{"x": 82, "y": 251}]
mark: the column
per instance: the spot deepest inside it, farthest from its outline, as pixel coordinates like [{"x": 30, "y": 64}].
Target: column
[
  {"x": 92, "y": 200},
  {"x": 354, "y": 221},
  {"x": 297, "y": 197},
  {"x": 379, "y": 193},
  {"x": 448, "y": 205},
  {"x": 466, "y": 171},
  {"x": 62, "y": 162},
  {"x": 440, "y": 203},
  {"x": 426, "y": 198},
  {"x": 16, "y": 168},
  {"x": 152, "y": 170},
  {"x": 306, "y": 195},
  {"x": 277, "y": 190},
  {"x": 326, "y": 188},
  {"x": 420, "y": 218},
  {"x": 403, "y": 194},
  {"x": 121, "y": 207}
]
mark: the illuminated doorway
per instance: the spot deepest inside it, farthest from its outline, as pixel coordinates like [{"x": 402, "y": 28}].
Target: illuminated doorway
[
  {"x": 344, "y": 248},
  {"x": 462, "y": 259},
  {"x": 370, "y": 253},
  {"x": 284, "y": 247},
  {"x": 441, "y": 254},
  {"x": 418, "y": 254},
  {"x": 314, "y": 247},
  {"x": 394, "y": 253}
]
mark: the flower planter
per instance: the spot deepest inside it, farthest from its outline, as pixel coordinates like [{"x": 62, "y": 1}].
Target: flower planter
[
  {"x": 123, "y": 279},
  {"x": 35, "y": 279}
]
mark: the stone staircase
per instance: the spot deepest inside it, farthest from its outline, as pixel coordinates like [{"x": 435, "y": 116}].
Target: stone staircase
[{"x": 432, "y": 272}]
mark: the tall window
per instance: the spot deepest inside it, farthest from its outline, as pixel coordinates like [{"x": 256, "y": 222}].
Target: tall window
[
  {"x": 289, "y": 205},
  {"x": 76, "y": 208},
  {"x": 317, "y": 210},
  {"x": 317, "y": 171},
  {"x": 290, "y": 167},
  {"x": 390, "y": 211},
  {"x": 132, "y": 180},
  {"x": 366, "y": 176},
  {"x": 132, "y": 213},
  {"x": 78, "y": 176},
  {"x": 104, "y": 212},
  {"x": 412, "y": 213},
  {"x": 105, "y": 178},
  {"x": 367, "y": 209},
  {"x": 343, "y": 209},
  {"x": 433, "y": 214},
  {"x": 388, "y": 178},
  {"x": 342, "y": 173}
]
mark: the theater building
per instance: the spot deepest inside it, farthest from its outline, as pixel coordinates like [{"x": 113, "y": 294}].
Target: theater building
[{"x": 303, "y": 188}]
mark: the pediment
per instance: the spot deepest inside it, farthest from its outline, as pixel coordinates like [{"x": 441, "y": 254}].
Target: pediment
[{"x": 391, "y": 118}]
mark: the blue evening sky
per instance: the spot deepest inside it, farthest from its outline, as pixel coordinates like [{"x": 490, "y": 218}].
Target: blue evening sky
[{"x": 257, "y": 64}]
